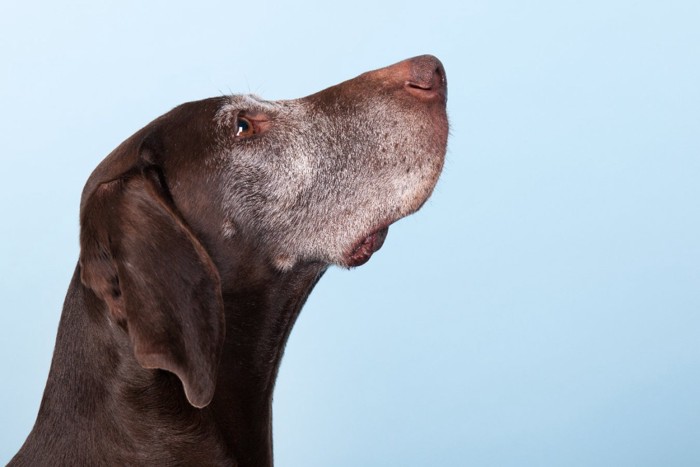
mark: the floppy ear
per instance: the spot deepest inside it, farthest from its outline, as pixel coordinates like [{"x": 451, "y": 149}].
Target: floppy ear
[{"x": 157, "y": 280}]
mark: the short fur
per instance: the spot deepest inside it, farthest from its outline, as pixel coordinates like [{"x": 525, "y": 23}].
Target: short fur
[{"x": 201, "y": 237}]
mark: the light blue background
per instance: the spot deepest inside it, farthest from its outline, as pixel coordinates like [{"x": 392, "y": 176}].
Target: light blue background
[{"x": 543, "y": 309}]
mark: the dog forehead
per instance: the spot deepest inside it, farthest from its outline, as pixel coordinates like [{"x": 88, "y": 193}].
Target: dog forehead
[{"x": 235, "y": 104}]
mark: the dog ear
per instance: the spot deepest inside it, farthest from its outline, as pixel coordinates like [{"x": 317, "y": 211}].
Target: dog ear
[{"x": 156, "y": 278}]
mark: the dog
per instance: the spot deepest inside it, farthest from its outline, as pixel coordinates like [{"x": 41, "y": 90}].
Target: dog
[{"x": 201, "y": 236}]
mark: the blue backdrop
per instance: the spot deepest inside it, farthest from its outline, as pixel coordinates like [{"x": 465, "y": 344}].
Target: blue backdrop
[{"x": 543, "y": 309}]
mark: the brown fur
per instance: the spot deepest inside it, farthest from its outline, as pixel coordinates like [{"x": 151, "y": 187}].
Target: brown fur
[{"x": 201, "y": 237}]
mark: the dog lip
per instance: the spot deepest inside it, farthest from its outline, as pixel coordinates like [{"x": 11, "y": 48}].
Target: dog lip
[{"x": 362, "y": 251}]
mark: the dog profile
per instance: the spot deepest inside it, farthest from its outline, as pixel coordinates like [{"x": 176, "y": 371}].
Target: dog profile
[{"x": 201, "y": 236}]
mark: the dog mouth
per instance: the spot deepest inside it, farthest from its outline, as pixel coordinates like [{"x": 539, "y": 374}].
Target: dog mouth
[{"x": 363, "y": 250}]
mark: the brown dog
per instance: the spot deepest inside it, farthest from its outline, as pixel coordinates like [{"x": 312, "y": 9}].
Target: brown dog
[{"x": 201, "y": 237}]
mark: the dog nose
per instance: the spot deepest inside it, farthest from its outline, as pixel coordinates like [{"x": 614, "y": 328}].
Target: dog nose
[{"x": 425, "y": 78}]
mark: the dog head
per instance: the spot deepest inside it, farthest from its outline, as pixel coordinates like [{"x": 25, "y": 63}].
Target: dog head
[{"x": 312, "y": 180}]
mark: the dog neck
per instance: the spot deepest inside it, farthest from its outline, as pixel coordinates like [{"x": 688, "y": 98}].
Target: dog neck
[
  {"x": 259, "y": 319},
  {"x": 98, "y": 397}
]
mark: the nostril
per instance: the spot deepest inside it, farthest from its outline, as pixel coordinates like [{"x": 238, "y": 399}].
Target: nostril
[
  {"x": 430, "y": 81},
  {"x": 424, "y": 87},
  {"x": 422, "y": 77},
  {"x": 427, "y": 82}
]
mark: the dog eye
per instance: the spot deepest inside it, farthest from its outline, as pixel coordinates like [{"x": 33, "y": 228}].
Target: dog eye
[{"x": 244, "y": 128}]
